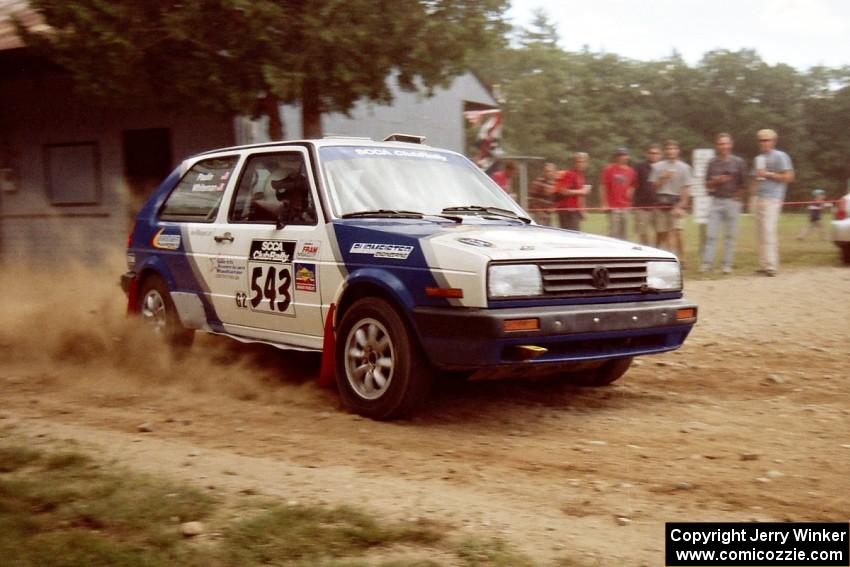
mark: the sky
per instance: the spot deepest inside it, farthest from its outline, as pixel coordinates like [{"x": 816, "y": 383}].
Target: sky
[{"x": 801, "y": 33}]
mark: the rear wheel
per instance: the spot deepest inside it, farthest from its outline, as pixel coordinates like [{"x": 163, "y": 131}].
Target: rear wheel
[
  {"x": 158, "y": 312},
  {"x": 381, "y": 372},
  {"x": 608, "y": 372}
]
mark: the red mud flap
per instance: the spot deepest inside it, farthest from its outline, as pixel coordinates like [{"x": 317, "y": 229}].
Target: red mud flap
[
  {"x": 133, "y": 297},
  {"x": 327, "y": 374}
]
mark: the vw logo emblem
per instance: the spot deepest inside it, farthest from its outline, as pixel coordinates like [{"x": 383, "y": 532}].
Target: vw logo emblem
[{"x": 601, "y": 278}]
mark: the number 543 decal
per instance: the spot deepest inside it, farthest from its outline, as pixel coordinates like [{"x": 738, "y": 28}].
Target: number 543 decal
[
  {"x": 271, "y": 289},
  {"x": 270, "y": 277}
]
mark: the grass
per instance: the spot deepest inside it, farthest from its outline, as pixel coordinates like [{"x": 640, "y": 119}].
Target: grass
[
  {"x": 793, "y": 253},
  {"x": 61, "y": 508}
]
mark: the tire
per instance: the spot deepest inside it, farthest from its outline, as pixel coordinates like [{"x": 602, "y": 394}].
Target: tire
[
  {"x": 607, "y": 373},
  {"x": 157, "y": 310},
  {"x": 381, "y": 372}
]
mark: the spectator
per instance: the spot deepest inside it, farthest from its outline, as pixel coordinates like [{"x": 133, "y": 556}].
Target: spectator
[
  {"x": 671, "y": 179},
  {"x": 815, "y": 213},
  {"x": 726, "y": 179},
  {"x": 618, "y": 182},
  {"x": 504, "y": 176},
  {"x": 772, "y": 172},
  {"x": 569, "y": 190},
  {"x": 644, "y": 195},
  {"x": 542, "y": 190}
]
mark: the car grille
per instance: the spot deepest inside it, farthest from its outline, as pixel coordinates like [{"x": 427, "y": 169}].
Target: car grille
[{"x": 587, "y": 278}]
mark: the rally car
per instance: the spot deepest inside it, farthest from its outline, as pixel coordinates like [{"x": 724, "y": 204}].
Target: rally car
[{"x": 396, "y": 260}]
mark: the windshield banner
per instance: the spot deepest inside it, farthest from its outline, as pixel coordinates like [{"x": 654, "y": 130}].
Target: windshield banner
[{"x": 349, "y": 152}]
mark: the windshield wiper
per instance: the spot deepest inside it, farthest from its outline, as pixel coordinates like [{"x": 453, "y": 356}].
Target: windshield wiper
[
  {"x": 495, "y": 211},
  {"x": 399, "y": 214},
  {"x": 384, "y": 213}
]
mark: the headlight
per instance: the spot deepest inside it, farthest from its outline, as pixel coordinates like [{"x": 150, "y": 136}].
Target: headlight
[
  {"x": 663, "y": 276},
  {"x": 512, "y": 280}
]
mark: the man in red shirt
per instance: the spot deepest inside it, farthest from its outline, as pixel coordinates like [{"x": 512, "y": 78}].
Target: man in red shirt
[
  {"x": 618, "y": 182},
  {"x": 569, "y": 192},
  {"x": 504, "y": 176}
]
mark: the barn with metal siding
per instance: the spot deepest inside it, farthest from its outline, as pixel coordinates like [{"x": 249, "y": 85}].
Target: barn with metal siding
[{"x": 71, "y": 174}]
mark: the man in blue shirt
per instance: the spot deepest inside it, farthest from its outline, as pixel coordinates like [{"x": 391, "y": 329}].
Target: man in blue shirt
[
  {"x": 772, "y": 172},
  {"x": 727, "y": 179}
]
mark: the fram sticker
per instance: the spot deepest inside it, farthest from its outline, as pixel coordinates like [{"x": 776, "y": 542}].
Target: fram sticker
[
  {"x": 305, "y": 277},
  {"x": 166, "y": 241},
  {"x": 395, "y": 251},
  {"x": 308, "y": 249}
]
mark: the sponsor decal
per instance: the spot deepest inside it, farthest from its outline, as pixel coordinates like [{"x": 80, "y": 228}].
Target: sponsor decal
[
  {"x": 475, "y": 242},
  {"x": 200, "y": 232},
  {"x": 308, "y": 249},
  {"x": 226, "y": 268},
  {"x": 207, "y": 187},
  {"x": 131, "y": 261},
  {"x": 305, "y": 277},
  {"x": 270, "y": 277},
  {"x": 278, "y": 251},
  {"x": 394, "y": 251},
  {"x": 165, "y": 241},
  {"x": 400, "y": 153}
]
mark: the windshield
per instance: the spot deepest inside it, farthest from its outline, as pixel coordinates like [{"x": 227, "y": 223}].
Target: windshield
[{"x": 375, "y": 178}]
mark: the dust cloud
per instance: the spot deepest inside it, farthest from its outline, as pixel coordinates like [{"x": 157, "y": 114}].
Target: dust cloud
[{"x": 72, "y": 327}]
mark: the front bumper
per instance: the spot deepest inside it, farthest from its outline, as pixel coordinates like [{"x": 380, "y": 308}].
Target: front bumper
[{"x": 475, "y": 338}]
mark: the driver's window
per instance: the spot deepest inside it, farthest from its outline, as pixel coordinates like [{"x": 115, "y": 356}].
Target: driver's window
[{"x": 274, "y": 188}]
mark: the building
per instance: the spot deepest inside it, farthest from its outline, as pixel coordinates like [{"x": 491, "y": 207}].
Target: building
[{"x": 71, "y": 173}]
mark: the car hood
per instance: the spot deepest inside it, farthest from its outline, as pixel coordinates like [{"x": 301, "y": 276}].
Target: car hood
[
  {"x": 459, "y": 244},
  {"x": 538, "y": 242}
]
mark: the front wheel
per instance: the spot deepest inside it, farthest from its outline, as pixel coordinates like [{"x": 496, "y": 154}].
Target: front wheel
[
  {"x": 381, "y": 372},
  {"x": 602, "y": 375},
  {"x": 158, "y": 312}
]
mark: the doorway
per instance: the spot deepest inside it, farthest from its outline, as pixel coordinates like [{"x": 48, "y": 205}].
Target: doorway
[{"x": 147, "y": 161}]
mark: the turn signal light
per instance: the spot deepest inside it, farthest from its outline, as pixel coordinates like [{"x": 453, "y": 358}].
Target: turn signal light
[
  {"x": 450, "y": 292},
  {"x": 689, "y": 313},
  {"x": 521, "y": 325}
]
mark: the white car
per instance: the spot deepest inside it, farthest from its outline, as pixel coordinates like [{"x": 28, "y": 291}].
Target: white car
[
  {"x": 395, "y": 259},
  {"x": 841, "y": 226}
]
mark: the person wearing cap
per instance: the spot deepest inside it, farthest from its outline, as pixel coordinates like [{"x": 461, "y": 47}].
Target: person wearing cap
[
  {"x": 726, "y": 179},
  {"x": 815, "y": 213},
  {"x": 672, "y": 179},
  {"x": 569, "y": 192},
  {"x": 618, "y": 182},
  {"x": 772, "y": 172}
]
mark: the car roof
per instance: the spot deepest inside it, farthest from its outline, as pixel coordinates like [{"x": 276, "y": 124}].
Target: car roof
[{"x": 324, "y": 142}]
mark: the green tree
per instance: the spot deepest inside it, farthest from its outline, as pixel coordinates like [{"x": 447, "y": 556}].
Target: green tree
[{"x": 248, "y": 56}]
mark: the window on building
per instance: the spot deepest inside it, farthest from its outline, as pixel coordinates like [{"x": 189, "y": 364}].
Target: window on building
[
  {"x": 197, "y": 196},
  {"x": 73, "y": 174}
]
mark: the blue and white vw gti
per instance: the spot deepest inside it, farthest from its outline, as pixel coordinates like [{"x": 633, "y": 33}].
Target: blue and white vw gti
[{"x": 398, "y": 260}]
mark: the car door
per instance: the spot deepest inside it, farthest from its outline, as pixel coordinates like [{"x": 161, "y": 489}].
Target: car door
[
  {"x": 266, "y": 253},
  {"x": 183, "y": 241}
]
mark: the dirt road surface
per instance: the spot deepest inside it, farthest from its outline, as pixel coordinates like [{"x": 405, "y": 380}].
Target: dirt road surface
[{"x": 749, "y": 421}]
